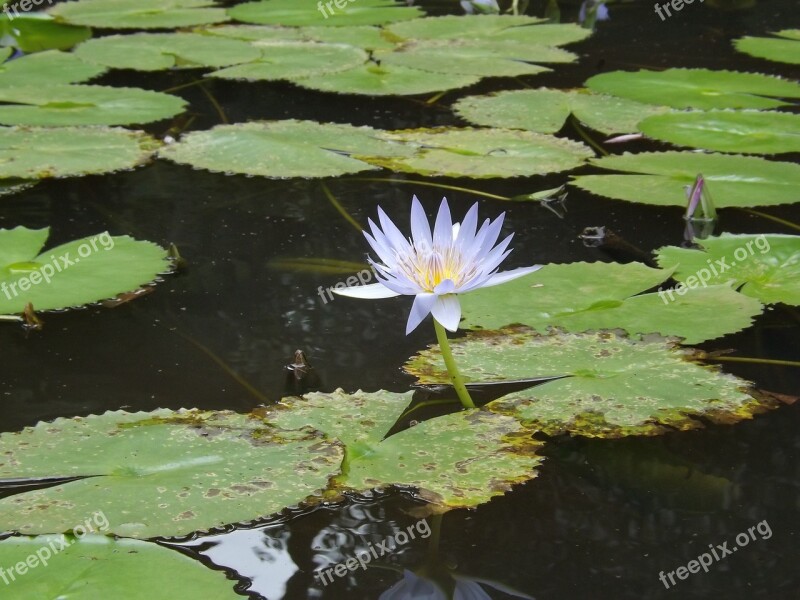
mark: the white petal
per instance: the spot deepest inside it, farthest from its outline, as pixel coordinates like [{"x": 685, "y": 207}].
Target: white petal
[
  {"x": 443, "y": 230},
  {"x": 393, "y": 234},
  {"x": 467, "y": 228},
  {"x": 506, "y": 276},
  {"x": 420, "y": 309},
  {"x": 447, "y": 310},
  {"x": 370, "y": 291},
  {"x": 420, "y": 229},
  {"x": 445, "y": 287}
]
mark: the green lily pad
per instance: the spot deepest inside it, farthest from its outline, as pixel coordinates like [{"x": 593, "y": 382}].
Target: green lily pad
[
  {"x": 288, "y": 60},
  {"x": 65, "y": 105},
  {"x": 484, "y": 153},
  {"x": 96, "y": 566},
  {"x": 46, "y": 69},
  {"x": 455, "y": 461},
  {"x": 614, "y": 386},
  {"x": 139, "y": 14},
  {"x": 36, "y": 32},
  {"x": 697, "y": 88},
  {"x": 386, "y": 80},
  {"x": 545, "y": 110},
  {"x": 732, "y": 180},
  {"x": 785, "y": 48},
  {"x": 582, "y": 296},
  {"x": 283, "y": 149},
  {"x": 156, "y": 51},
  {"x": 162, "y": 473},
  {"x": 749, "y": 132},
  {"x": 38, "y": 153},
  {"x": 74, "y": 274},
  {"x": 360, "y": 36},
  {"x": 254, "y": 33},
  {"x": 766, "y": 267},
  {"x": 291, "y": 13}
]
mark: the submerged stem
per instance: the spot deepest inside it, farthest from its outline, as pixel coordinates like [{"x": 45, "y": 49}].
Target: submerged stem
[
  {"x": 760, "y": 361},
  {"x": 432, "y": 184},
  {"x": 452, "y": 369}
]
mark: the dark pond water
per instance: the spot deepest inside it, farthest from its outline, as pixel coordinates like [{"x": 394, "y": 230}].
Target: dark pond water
[{"x": 603, "y": 518}]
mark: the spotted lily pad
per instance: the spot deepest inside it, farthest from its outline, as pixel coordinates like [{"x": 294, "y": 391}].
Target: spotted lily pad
[
  {"x": 581, "y": 296},
  {"x": 96, "y": 566},
  {"x": 38, "y": 153},
  {"x": 139, "y": 14},
  {"x": 785, "y": 48},
  {"x": 73, "y": 274},
  {"x": 47, "y": 69},
  {"x": 35, "y": 32},
  {"x": 545, "y": 110},
  {"x": 766, "y": 267},
  {"x": 748, "y": 132},
  {"x": 614, "y": 386},
  {"x": 284, "y": 149},
  {"x": 163, "y": 473},
  {"x": 455, "y": 461},
  {"x": 64, "y": 105},
  {"x": 697, "y": 88},
  {"x": 660, "y": 177},
  {"x": 291, "y": 13},
  {"x": 156, "y": 51},
  {"x": 484, "y": 153}
]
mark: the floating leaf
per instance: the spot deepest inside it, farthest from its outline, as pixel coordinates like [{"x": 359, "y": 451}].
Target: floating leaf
[
  {"x": 732, "y": 180},
  {"x": 46, "y": 69},
  {"x": 156, "y": 51},
  {"x": 545, "y": 110},
  {"x": 749, "y": 132},
  {"x": 37, "y": 153},
  {"x": 766, "y": 267},
  {"x": 384, "y": 80},
  {"x": 361, "y": 36},
  {"x": 96, "y": 566},
  {"x": 35, "y": 32},
  {"x": 616, "y": 386},
  {"x": 483, "y": 153},
  {"x": 288, "y": 60},
  {"x": 292, "y": 13},
  {"x": 163, "y": 473},
  {"x": 283, "y": 149},
  {"x": 582, "y": 296},
  {"x": 459, "y": 460},
  {"x": 786, "y": 50},
  {"x": 64, "y": 105},
  {"x": 697, "y": 88},
  {"x": 139, "y": 14},
  {"x": 73, "y": 274}
]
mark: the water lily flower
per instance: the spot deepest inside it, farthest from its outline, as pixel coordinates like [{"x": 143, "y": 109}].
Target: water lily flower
[
  {"x": 414, "y": 587},
  {"x": 481, "y": 7},
  {"x": 435, "y": 267}
]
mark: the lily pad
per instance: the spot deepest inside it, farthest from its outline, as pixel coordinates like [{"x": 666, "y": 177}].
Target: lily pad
[
  {"x": 361, "y": 36},
  {"x": 73, "y": 274},
  {"x": 484, "y": 153},
  {"x": 284, "y": 149},
  {"x": 96, "y": 566},
  {"x": 65, "y": 105},
  {"x": 785, "y": 48},
  {"x": 386, "y": 80},
  {"x": 455, "y": 461},
  {"x": 545, "y": 110},
  {"x": 732, "y": 180},
  {"x": 766, "y": 267},
  {"x": 156, "y": 51},
  {"x": 749, "y": 132},
  {"x": 291, "y": 13},
  {"x": 35, "y": 32},
  {"x": 614, "y": 386},
  {"x": 582, "y": 296},
  {"x": 38, "y": 153},
  {"x": 697, "y": 88},
  {"x": 139, "y": 14},
  {"x": 288, "y": 60},
  {"x": 162, "y": 473},
  {"x": 47, "y": 69}
]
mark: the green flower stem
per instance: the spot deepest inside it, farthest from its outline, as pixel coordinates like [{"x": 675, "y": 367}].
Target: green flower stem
[{"x": 452, "y": 369}]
